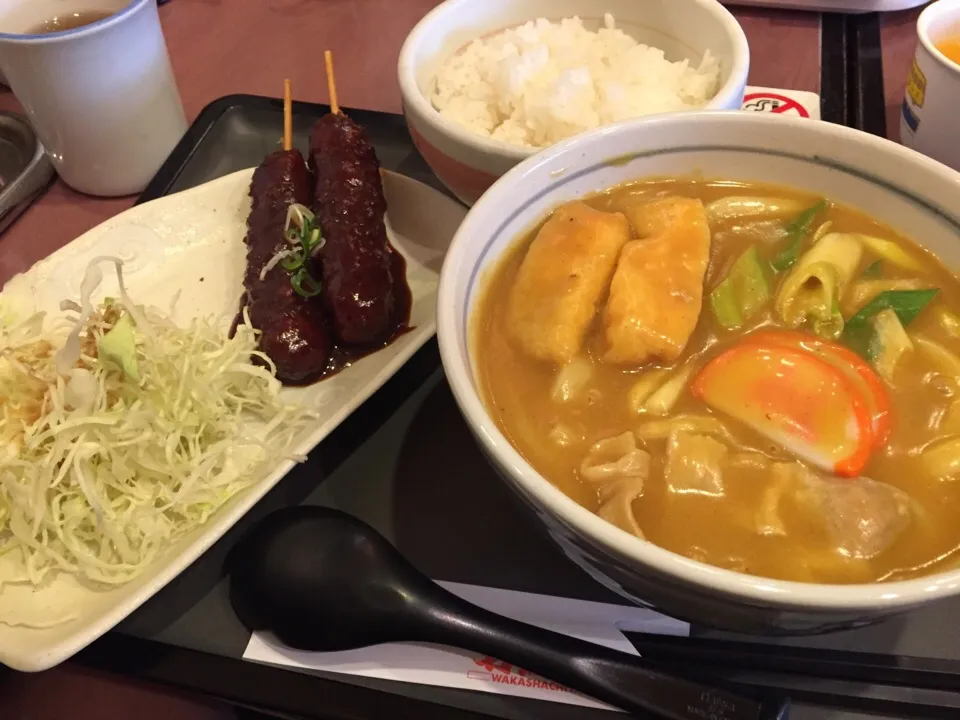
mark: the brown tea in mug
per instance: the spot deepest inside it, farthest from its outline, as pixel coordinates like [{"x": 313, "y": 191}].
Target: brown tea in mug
[{"x": 68, "y": 21}]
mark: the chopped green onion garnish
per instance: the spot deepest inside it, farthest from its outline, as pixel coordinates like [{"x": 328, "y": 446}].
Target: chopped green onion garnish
[
  {"x": 297, "y": 215},
  {"x": 301, "y": 229},
  {"x": 312, "y": 241},
  {"x": 804, "y": 221},
  {"x": 304, "y": 284},
  {"x": 723, "y": 302},
  {"x": 907, "y": 304},
  {"x": 860, "y": 330},
  {"x": 873, "y": 271},
  {"x": 797, "y": 231},
  {"x": 742, "y": 293},
  {"x": 293, "y": 261},
  {"x": 788, "y": 256}
]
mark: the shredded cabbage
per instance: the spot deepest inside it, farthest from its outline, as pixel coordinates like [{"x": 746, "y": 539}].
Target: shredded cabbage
[{"x": 102, "y": 469}]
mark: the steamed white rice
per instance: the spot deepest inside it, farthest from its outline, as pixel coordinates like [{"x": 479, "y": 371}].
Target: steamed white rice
[{"x": 544, "y": 81}]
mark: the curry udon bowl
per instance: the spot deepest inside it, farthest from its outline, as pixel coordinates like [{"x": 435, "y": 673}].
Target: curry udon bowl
[{"x": 886, "y": 182}]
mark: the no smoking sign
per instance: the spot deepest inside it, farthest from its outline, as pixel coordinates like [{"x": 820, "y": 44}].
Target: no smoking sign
[{"x": 793, "y": 103}]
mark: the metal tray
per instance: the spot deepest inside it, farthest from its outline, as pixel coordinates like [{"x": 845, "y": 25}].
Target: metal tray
[{"x": 25, "y": 169}]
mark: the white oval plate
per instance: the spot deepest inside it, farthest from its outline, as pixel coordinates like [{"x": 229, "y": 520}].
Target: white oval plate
[{"x": 189, "y": 248}]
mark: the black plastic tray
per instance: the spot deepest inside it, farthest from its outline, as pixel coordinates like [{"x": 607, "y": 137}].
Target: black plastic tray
[
  {"x": 238, "y": 131},
  {"x": 406, "y": 463},
  {"x": 399, "y": 462}
]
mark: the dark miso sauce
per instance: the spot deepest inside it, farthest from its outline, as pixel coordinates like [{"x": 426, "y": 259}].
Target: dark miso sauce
[{"x": 343, "y": 356}]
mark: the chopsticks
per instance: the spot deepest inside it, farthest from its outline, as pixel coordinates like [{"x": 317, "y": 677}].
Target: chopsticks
[
  {"x": 864, "y": 682},
  {"x": 906, "y": 671}
]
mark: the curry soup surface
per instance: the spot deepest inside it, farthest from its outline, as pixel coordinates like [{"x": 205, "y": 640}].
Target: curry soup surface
[{"x": 555, "y": 437}]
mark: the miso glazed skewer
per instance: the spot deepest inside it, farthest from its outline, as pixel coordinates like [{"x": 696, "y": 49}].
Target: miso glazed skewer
[
  {"x": 364, "y": 279},
  {"x": 279, "y": 283}
]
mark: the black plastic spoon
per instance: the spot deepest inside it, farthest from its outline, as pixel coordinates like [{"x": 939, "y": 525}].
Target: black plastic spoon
[{"x": 322, "y": 580}]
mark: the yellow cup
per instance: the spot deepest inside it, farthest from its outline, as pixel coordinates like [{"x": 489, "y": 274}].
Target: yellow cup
[{"x": 930, "y": 115}]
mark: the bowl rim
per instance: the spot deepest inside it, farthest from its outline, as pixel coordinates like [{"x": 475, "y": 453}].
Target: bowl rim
[
  {"x": 763, "y": 591},
  {"x": 412, "y": 95}
]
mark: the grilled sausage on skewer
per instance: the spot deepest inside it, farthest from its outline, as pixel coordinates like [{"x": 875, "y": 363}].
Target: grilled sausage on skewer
[
  {"x": 294, "y": 331},
  {"x": 364, "y": 282}
]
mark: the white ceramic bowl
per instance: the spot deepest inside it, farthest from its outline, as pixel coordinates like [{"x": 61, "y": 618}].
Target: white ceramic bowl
[
  {"x": 468, "y": 163},
  {"x": 911, "y": 192}
]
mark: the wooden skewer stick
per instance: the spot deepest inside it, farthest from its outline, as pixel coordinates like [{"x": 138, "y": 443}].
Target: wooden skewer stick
[
  {"x": 331, "y": 82},
  {"x": 287, "y": 116}
]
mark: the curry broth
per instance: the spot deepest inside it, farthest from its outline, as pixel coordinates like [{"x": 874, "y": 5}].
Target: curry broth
[{"x": 722, "y": 531}]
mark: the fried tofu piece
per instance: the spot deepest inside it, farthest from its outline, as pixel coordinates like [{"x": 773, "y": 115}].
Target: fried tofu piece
[
  {"x": 657, "y": 290},
  {"x": 562, "y": 279}
]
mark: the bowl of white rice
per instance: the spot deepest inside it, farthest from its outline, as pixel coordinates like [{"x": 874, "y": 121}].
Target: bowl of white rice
[{"x": 487, "y": 83}]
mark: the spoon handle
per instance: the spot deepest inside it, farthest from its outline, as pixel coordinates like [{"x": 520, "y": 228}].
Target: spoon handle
[{"x": 622, "y": 680}]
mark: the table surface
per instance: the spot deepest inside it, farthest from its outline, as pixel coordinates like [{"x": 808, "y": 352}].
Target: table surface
[
  {"x": 262, "y": 42},
  {"x": 257, "y": 44},
  {"x": 254, "y": 46}
]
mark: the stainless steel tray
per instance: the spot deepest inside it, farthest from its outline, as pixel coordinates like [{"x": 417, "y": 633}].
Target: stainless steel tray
[{"x": 25, "y": 169}]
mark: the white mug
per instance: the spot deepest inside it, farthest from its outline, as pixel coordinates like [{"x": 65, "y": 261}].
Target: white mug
[
  {"x": 930, "y": 114},
  {"x": 101, "y": 96}
]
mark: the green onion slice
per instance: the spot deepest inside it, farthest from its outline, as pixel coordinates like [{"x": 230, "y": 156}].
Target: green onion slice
[
  {"x": 304, "y": 283},
  {"x": 293, "y": 261}
]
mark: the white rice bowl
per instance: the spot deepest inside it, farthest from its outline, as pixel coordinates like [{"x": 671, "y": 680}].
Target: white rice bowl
[{"x": 539, "y": 83}]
